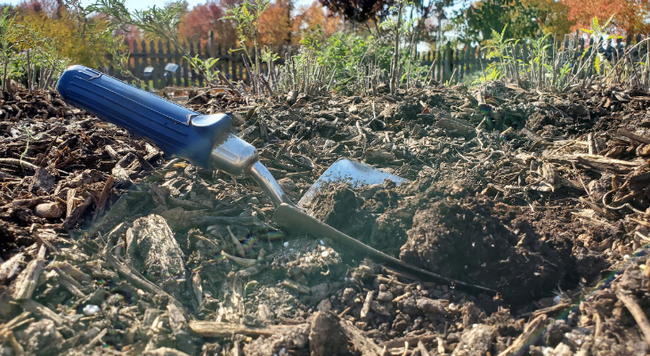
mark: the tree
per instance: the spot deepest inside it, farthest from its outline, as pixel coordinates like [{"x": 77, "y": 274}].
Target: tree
[
  {"x": 275, "y": 24},
  {"x": 51, "y": 8},
  {"x": 203, "y": 18},
  {"x": 630, "y": 16},
  {"x": 552, "y": 16},
  {"x": 517, "y": 18},
  {"x": 51, "y": 20},
  {"x": 358, "y": 11},
  {"x": 314, "y": 18}
]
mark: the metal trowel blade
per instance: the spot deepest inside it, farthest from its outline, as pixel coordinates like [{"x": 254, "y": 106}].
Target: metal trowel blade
[{"x": 345, "y": 170}]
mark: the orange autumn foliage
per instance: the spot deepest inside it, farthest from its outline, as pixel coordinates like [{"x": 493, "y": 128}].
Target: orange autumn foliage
[
  {"x": 203, "y": 18},
  {"x": 312, "y": 16},
  {"x": 630, "y": 16},
  {"x": 275, "y": 23}
]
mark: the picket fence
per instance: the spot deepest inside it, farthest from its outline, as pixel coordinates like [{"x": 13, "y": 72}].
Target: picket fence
[{"x": 445, "y": 63}]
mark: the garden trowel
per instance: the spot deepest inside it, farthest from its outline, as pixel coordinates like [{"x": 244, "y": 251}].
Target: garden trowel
[{"x": 207, "y": 141}]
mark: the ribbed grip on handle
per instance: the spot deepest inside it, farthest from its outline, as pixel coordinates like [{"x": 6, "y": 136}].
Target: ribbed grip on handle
[{"x": 173, "y": 128}]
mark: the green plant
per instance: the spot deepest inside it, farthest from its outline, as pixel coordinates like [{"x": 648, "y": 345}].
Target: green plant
[
  {"x": 404, "y": 29},
  {"x": 29, "y": 56},
  {"x": 395, "y": 26},
  {"x": 7, "y": 45},
  {"x": 598, "y": 31},
  {"x": 206, "y": 66},
  {"x": 561, "y": 65},
  {"x": 29, "y": 137},
  {"x": 246, "y": 16},
  {"x": 499, "y": 47},
  {"x": 491, "y": 74}
]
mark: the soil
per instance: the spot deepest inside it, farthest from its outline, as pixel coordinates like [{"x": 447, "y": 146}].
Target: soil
[{"x": 110, "y": 246}]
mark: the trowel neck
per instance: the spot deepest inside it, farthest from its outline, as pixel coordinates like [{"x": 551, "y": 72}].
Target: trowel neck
[
  {"x": 239, "y": 158},
  {"x": 269, "y": 185}
]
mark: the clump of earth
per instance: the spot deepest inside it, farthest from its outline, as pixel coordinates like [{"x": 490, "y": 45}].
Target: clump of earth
[{"x": 534, "y": 198}]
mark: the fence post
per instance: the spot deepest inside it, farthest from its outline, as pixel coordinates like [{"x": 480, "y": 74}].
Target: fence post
[
  {"x": 192, "y": 73},
  {"x": 154, "y": 74},
  {"x": 226, "y": 66},
  {"x": 169, "y": 79},
  {"x": 178, "y": 59},
  {"x": 438, "y": 63},
  {"x": 460, "y": 56},
  {"x": 186, "y": 69},
  {"x": 619, "y": 47},
  {"x": 211, "y": 50},
  {"x": 202, "y": 56},
  {"x": 134, "y": 58},
  {"x": 219, "y": 64}
]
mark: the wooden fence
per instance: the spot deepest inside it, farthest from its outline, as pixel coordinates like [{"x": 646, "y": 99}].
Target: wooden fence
[
  {"x": 445, "y": 63},
  {"x": 148, "y": 61},
  {"x": 460, "y": 63}
]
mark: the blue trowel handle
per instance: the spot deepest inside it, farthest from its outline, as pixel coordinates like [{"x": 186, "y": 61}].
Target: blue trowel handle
[{"x": 173, "y": 128}]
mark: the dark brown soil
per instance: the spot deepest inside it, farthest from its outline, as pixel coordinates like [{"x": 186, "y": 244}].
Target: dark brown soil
[{"x": 540, "y": 197}]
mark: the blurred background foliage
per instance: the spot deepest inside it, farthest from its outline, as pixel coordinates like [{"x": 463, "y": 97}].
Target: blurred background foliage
[{"x": 341, "y": 34}]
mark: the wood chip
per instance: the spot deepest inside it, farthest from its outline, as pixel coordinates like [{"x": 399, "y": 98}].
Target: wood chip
[
  {"x": 72, "y": 219},
  {"x": 530, "y": 331},
  {"x": 27, "y": 280},
  {"x": 42, "y": 311},
  {"x": 217, "y": 329},
  {"x": 476, "y": 341},
  {"x": 637, "y": 313},
  {"x": 101, "y": 202},
  {"x": 365, "y": 310},
  {"x": 10, "y": 268}
]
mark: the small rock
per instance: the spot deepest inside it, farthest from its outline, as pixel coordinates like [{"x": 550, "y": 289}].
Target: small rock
[
  {"x": 90, "y": 309},
  {"x": 43, "y": 181},
  {"x": 348, "y": 295},
  {"x": 319, "y": 291},
  {"x": 324, "y": 306},
  {"x": 254, "y": 200},
  {"x": 49, "y": 210},
  {"x": 384, "y": 296},
  {"x": 91, "y": 333},
  {"x": 477, "y": 341},
  {"x": 287, "y": 184},
  {"x": 326, "y": 336},
  {"x": 292, "y": 96},
  {"x": 431, "y": 306}
]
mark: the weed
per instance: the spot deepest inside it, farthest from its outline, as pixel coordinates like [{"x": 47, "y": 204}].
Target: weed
[
  {"x": 7, "y": 45},
  {"x": 550, "y": 64},
  {"x": 246, "y": 16},
  {"x": 205, "y": 66}
]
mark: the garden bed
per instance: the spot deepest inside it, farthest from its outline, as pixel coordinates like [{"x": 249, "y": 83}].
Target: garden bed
[{"x": 110, "y": 246}]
